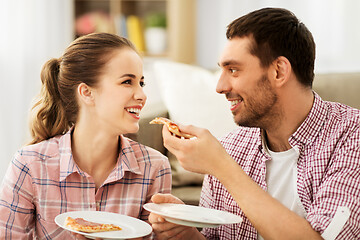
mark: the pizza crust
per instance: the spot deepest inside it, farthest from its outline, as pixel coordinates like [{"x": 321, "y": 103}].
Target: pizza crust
[{"x": 82, "y": 225}]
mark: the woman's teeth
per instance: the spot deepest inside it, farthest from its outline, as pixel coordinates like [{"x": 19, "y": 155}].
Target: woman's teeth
[{"x": 133, "y": 110}]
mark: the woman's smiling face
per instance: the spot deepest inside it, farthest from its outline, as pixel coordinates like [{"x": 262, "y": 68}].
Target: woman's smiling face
[{"x": 119, "y": 96}]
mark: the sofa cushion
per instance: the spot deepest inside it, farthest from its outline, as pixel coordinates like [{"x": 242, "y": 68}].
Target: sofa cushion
[{"x": 339, "y": 87}]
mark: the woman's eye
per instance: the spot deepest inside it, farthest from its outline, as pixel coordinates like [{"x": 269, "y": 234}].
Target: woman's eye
[
  {"x": 232, "y": 70},
  {"x": 127, "y": 82}
]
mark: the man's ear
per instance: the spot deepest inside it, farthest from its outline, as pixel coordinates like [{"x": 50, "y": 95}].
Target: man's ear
[
  {"x": 282, "y": 70},
  {"x": 85, "y": 94}
]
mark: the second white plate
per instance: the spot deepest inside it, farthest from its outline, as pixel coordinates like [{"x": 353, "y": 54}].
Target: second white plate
[{"x": 192, "y": 216}]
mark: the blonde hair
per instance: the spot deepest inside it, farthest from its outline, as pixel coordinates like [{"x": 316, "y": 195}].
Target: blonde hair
[{"x": 56, "y": 108}]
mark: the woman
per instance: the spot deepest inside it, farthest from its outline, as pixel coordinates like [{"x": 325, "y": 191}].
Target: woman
[{"x": 78, "y": 158}]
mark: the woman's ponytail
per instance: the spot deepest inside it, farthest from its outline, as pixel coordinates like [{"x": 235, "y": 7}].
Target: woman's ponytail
[{"x": 48, "y": 116}]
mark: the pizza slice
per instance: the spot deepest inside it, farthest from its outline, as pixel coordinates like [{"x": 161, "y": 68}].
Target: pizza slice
[
  {"x": 172, "y": 126},
  {"x": 82, "y": 225}
]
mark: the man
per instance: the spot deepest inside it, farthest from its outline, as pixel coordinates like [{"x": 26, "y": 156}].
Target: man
[{"x": 292, "y": 168}]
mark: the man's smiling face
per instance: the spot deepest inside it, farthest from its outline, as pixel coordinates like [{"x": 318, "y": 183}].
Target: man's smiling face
[{"x": 246, "y": 85}]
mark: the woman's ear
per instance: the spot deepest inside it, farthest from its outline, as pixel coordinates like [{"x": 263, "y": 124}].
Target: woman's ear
[
  {"x": 282, "y": 67},
  {"x": 85, "y": 94}
]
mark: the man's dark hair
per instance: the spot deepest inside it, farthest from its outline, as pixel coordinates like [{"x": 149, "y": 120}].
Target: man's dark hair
[{"x": 278, "y": 32}]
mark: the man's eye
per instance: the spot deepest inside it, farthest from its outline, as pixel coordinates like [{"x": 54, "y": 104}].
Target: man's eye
[{"x": 232, "y": 70}]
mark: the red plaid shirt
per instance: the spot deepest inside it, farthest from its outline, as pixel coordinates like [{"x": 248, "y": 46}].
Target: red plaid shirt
[{"x": 328, "y": 170}]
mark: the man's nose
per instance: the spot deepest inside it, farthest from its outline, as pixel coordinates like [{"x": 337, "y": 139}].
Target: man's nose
[{"x": 223, "y": 86}]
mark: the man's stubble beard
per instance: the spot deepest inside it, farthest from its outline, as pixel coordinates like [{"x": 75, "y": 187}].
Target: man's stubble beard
[{"x": 261, "y": 108}]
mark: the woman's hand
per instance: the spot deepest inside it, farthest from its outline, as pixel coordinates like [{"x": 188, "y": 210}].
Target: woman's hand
[
  {"x": 82, "y": 237},
  {"x": 166, "y": 230}
]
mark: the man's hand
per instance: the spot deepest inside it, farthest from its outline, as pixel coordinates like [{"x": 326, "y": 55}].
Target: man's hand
[
  {"x": 166, "y": 230},
  {"x": 202, "y": 154}
]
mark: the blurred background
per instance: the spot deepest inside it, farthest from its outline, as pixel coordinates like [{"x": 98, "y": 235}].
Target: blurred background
[{"x": 185, "y": 31}]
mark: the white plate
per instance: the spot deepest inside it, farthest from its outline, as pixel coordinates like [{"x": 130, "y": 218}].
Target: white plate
[
  {"x": 192, "y": 216},
  {"x": 131, "y": 227}
]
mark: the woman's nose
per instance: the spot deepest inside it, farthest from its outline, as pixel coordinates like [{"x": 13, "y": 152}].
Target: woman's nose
[{"x": 140, "y": 94}]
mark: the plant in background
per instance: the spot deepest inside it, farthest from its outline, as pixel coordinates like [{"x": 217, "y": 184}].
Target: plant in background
[
  {"x": 155, "y": 33},
  {"x": 155, "y": 20}
]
